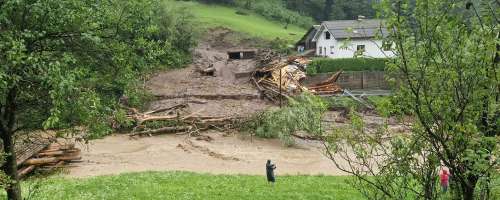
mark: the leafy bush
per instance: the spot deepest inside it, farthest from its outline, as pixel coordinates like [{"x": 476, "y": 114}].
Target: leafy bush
[
  {"x": 4, "y": 179},
  {"x": 241, "y": 12},
  {"x": 303, "y": 113},
  {"x": 280, "y": 45},
  {"x": 325, "y": 65},
  {"x": 344, "y": 102}
]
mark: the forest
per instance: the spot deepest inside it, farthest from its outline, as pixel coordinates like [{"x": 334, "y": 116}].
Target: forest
[{"x": 305, "y": 12}]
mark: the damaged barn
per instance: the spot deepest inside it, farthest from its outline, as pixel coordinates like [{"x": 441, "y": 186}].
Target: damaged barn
[{"x": 282, "y": 78}]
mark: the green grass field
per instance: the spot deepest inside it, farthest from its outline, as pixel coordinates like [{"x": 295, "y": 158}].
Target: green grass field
[
  {"x": 251, "y": 24},
  {"x": 185, "y": 185}
]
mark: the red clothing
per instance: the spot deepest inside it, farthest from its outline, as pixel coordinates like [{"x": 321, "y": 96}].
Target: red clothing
[{"x": 444, "y": 177}]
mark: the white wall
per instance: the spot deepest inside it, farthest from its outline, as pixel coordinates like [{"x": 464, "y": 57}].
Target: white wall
[{"x": 373, "y": 48}]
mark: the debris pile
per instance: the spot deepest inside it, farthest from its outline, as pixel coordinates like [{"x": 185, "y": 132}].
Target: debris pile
[
  {"x": 327, "y": 87},
  {"x": 279, "y": 78},
  {"x": 54, "y": 156},
  {"x": 176, "y": 119},
  {"x": 208, "y": 71}
]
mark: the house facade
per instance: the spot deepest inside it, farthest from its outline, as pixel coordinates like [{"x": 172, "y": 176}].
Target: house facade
[
  {"x": 352, "y": 38},
  {"x": 307, "y": 40}
]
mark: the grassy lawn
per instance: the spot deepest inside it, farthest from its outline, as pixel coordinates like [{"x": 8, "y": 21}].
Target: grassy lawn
[
  {"x": 185, "y": 185},
  {"x": 251, "y": 24}
]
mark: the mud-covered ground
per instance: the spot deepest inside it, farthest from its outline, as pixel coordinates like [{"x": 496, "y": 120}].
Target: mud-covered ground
[
  {"x": 230, "y": 94},
  {"x": 213, "y": 152}
]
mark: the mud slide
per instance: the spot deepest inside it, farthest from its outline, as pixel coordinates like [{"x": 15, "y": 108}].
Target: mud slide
[{"x": 223, "y": 94}]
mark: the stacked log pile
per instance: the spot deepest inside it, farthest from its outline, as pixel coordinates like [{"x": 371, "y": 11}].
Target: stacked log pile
[{"x": 54, "y": 156}]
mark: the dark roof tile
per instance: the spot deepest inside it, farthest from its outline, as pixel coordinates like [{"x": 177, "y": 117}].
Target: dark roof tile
[{"x": 366, "y": 28}]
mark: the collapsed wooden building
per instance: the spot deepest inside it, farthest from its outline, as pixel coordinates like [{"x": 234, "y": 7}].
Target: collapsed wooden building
[{"x": 282, "y": 78}]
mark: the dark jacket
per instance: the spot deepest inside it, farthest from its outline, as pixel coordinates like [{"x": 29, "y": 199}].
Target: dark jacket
[{"x": 270, "y": 171}]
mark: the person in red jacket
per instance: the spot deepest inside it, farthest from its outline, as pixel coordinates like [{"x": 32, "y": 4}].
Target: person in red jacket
[{"x": 444, "y": 177}]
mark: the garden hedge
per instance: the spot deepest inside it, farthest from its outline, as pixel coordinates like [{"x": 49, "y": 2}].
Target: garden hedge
[{"x": 326, "y": 65}]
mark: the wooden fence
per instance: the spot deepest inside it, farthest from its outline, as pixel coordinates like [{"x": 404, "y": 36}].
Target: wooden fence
[{"x": 354, "y": 79}]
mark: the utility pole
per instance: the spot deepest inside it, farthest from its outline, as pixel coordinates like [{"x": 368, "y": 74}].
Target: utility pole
[{"x": 281, "y": 97}]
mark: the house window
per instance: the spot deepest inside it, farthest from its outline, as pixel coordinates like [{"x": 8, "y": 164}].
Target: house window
[
  {"x": 328, "y": 35},
  {"x": 360, "y": 48},
  {"x": 332, "y": 48},
  {"x": 320, "y": 50},
  {"x": 387, "y": 45}
]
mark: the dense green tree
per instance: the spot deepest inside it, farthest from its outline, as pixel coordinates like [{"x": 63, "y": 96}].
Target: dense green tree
[
  {"x": 327, "y": 10},
  {"x": 66, "y": 63},
  {"x": 275, "y": 10},
  {"x": 322, "y": 10},
  {"x": 300, "y": 12},
  {"x": 446, "y": 74}
]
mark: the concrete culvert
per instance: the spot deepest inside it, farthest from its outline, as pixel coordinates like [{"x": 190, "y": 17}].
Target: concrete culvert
[{"x": 241, "y": 54}]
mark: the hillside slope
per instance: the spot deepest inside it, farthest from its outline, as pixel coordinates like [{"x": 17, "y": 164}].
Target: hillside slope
[{"x": 252, "y": 24}]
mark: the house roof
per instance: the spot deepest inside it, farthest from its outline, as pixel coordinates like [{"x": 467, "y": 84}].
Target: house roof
[
  {"x": 309, "y": 34},
  {"x": 366, "y": 28}
]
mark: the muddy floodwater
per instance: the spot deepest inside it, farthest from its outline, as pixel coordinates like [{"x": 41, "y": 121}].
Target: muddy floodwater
[{"x": 222, "y": 154}]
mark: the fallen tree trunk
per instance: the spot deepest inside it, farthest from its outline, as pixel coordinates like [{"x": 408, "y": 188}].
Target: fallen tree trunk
[
  {"x": 57, "y": 147},
  {"x": 167, "y": 109},
  {"x": 163, "y": 130},
  {"x": 40, "y": 161},
  {"x": 51, "y": 153},
  {"x": 307, "y": 137},
  {"x": 57, "y": 165},
  {"x": 69, "y": 158},
  {"x": 210, "y": 96},
  {"x": 155, "y": 118},
  {"x": 26, "y": 170}
]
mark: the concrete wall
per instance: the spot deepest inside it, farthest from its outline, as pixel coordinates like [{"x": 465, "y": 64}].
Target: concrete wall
[
  {"x": 372, "y": 48},
  {"x": 353, "y": 80}
]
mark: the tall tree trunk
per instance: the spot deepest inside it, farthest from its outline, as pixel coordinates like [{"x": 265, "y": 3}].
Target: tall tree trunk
[
  {"x": 7, "y": 124},
  {"x": 327, "y": 10},
  {"x": 10, "y": 167},
  {"x": 429, "y": 180},
  {"x": 468, "y": 187}
]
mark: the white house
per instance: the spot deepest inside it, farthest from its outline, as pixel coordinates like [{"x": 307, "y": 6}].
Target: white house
[{"x": 350, "y": 38}]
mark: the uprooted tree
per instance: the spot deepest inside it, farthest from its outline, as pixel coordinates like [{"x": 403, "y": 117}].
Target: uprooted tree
[
  {"x": 446, "y": 74},
  {"x": 66, "y": 63}
]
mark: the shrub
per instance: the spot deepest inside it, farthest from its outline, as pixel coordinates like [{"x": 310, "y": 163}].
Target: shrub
[
  {"x": 303, "y": 113},
  {"x": 326, "y": 65},
  {"x": 240, "y": 11},
  {"x": 280, "y": 45},
  {"x": 343, "y": 102}
]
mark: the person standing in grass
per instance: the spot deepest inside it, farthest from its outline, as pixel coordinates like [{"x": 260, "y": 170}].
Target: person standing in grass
[
  {"x": 444, "y": 177},
  {"x": 270, "y": 172}
]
